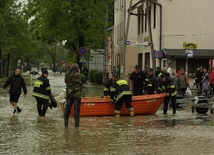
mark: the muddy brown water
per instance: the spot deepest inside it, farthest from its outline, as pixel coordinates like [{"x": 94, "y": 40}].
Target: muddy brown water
[{"x": 27, "y": 134}]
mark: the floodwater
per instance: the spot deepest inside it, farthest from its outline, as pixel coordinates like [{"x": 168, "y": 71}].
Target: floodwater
[{"x": 27, "y": 134}]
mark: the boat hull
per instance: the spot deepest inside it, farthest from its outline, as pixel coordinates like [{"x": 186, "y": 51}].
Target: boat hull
[{"x": 98, "y": 106}]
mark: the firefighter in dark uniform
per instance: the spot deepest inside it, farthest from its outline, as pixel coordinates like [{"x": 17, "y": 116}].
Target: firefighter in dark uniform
[
  {"x": 42, "y": 92},
  {"x": 151, "y": 83},
  {"x": 122, "y": 94},
  {"x": 166, "y": 86},
  {"x": 137, "y": 79},
  {"x": 108, "y": 87}
]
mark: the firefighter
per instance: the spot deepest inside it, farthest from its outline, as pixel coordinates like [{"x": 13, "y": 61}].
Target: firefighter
[
  {"x": 42, "y": 92},
  {"x": 166, "y": 86},
  {"x": 150, "y": 83},
  {"x": 108, "y": 89},
  {"x": 122, "y": 94}
]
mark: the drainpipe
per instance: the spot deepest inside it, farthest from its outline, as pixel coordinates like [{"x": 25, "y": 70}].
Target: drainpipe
[{"x": 160, "y": 43}]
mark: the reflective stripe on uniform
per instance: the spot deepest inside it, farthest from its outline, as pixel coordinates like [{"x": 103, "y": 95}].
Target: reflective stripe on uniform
[
  {"x": 38, "y": 83},
  {"x": 131, "y": 109},
  {"x": 122, "y": 82},
  {"x": 174, "y": 93},
  {"x": 48, "y": 88},
  {"x": 106, "y": 89},
  {"x": 150, "y": 85},
  {"x": 123, "y": 93},
  {"x": 40, "y": 95},
  {"x": 117, "y": 112},
  {"x": 172, "y": 86},
  {"x": 112, "y": 89},
  {"x": 159, "y": 88}
]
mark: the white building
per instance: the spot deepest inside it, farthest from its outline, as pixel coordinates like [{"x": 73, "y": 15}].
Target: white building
[
  {"x": 120, "y": 30},
  {"x": 173, "y": 23}
]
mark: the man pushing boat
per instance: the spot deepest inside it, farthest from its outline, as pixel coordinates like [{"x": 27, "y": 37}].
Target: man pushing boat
[{"x": 122, "y": 94}]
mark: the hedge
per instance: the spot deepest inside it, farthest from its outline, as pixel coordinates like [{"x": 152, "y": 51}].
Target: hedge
[{"x": 96, "y": 76}]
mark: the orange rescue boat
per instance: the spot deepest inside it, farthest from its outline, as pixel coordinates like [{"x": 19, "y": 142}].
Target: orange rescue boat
[{"x": 100, "y": 106}]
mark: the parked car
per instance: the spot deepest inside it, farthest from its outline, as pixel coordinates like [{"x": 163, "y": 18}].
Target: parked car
[{"x": 34, "y": 71}]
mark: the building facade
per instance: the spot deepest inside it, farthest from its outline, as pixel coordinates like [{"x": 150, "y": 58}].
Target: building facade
[
  {"x": 124, "y": 49},
  {"x": 175, "y": 23}
]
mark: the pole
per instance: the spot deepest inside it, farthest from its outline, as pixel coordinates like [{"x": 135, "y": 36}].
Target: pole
[
  {"x": 187, "y": 63},
  {"x": 126, "y": 37},
  {"x": 150, "y": 35}
]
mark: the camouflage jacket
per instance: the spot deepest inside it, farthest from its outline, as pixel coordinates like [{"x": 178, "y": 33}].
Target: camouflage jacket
[{"x": 74, "y": 84}]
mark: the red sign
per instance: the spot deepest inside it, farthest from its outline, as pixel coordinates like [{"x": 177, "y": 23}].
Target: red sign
[{"x": 82, "y": 51}]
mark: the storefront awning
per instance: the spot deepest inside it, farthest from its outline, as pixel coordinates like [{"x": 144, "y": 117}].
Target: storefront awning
[{"x": 197, "y": 53}]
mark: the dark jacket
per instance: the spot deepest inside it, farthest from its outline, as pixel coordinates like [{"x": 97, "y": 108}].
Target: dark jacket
[
  {"x": 138, "y": 79},
  {"x": 167, "y": 87},
  {"x": 16, "y": 82},
  {"x": 74, "y": 84},
  {"x": 108, "y": 87},
  {"x": 42, "y": 88},
  {"x": 121, "y": 89},
  {"x": 151, "y": 84}
]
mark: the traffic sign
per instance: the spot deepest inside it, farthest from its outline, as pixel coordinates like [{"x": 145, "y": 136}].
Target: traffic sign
[
  {"x": 82, "y": 59},
  {"x": 189, "y": 45},
  {"x": 82, "y": 51}
]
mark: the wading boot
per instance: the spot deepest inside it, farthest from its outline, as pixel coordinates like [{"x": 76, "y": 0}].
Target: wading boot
[
  {"x": 19, "y": 110},
  {"x": 14, "y": 111},
  {"x": 117, "y": 115},
  {"x": 77, "y": 122},
  {"x": 66, "y": 120},
  {"x": 131, "y": 113}
]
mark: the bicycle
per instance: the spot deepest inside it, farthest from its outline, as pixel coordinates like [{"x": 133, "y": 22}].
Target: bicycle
[{"x": 196, "y": 89}]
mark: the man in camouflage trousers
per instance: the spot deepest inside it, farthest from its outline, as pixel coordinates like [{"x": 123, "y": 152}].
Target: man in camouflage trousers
[{"x": 74, "y": 82}]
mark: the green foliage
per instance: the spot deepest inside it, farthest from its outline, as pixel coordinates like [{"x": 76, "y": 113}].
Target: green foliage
[
  {"x": 73, "y": 21},
  {"x": 15, "y": 37},
  {"x": 96, "y": 76}
]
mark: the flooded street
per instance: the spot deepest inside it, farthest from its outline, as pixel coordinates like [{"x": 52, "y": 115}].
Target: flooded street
[{"x": 27, "y": 134}]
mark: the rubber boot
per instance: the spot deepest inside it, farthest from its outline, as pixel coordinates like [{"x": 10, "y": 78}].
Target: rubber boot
[
  {"x": 66, "y": 118},
  {"x": 18, "y": 109},
  {"x": 117, "y": 115},
  {"x": 131, "y": 113},
  {"x": 77, "y": 122}
]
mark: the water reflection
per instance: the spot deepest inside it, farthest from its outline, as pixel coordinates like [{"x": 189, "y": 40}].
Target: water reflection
[{"x": 26, "y": 133}]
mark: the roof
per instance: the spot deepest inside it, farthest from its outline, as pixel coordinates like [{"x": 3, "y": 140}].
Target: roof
[{"x": 197, "y": 53}]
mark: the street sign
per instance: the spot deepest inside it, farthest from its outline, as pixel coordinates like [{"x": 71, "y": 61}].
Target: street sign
[
  {"x": 189, "y": 53},
  {"x": 82, "y": 59},
  {"x": 159, "y": 54},
  {"x": 82, "y": 51},
  {"x": 189, "y": 45},
  {"x": 128, "y": 42}
]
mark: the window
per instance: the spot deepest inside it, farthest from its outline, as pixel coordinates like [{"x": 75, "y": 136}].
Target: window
[
  {"x": 147, "y": 59},
  {"x": 150, "y": 15},
  {"x": 138, "y": 16},
  {"x": 154, "y": 16},
  {"x": 140, "y": 60},
  {"x": 146, "y": 19}
]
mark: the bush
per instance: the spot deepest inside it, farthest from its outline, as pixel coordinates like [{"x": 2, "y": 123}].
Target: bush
[
  {"x": 91, "y": 74},
  {"x": 96, "y": 76}
]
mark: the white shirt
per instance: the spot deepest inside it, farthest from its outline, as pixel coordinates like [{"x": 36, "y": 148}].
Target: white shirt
[{"x": 169, "y": 70}]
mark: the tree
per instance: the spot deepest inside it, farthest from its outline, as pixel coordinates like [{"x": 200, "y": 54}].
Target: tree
[
  {"x": 16, "y": 41},
  {"x": 78, "y": 22}
]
